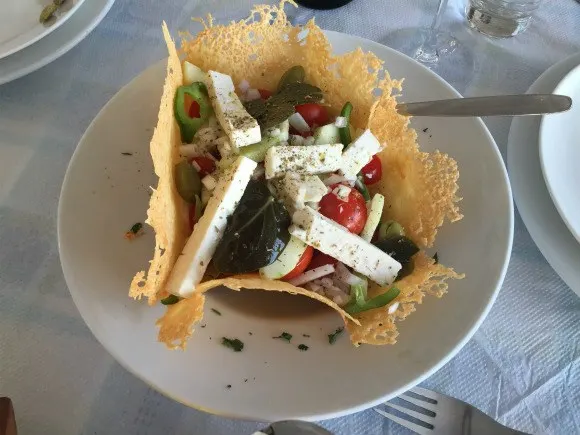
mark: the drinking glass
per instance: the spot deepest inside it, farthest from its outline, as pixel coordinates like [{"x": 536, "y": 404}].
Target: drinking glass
[
  {"x": 500, "y": 18},
  {"x": 435, "y": 48}
]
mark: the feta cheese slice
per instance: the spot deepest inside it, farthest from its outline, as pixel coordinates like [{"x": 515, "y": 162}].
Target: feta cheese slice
[
  {"x": 359, "y": 153},
  {"x": 331, "y": 238},
  {"x": 239, "y": 126},
  {"x": 315, "y": 159},
  {"x": 300, "y": 189},
  {"x": 207, "y": 233}
]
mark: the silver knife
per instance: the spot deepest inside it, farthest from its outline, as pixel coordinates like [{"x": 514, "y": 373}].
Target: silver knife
[{"x": 502, "y": 105}]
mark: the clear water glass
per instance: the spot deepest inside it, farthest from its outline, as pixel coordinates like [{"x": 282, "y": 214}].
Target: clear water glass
[{"x": 501, "y": 18}]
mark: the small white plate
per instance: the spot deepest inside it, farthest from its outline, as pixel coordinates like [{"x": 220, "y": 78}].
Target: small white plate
[
  {"x": 20, "y": 25},
  {"x": 534, "y": 203},
  {"x": 105, "y": 192},
  {"x": 60, "y": 41},
  {"x": 560, "y": 154}
]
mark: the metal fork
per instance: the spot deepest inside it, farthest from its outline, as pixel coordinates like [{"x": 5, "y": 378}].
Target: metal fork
[{"x": 426, "y": 412}]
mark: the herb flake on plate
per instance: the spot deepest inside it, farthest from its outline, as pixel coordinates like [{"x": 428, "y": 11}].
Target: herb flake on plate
[
  {"x": 216, "y": 311},
  {"x": 333, "y": 337},
  {"x": 284, "y": 336},
  {"x": 233, "y": 343},
  {"x": 134, "y": 231},
  {"x": 303, "y": 347}
]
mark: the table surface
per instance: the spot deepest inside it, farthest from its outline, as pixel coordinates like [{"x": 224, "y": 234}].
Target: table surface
[{"x": 522, "y": 366}]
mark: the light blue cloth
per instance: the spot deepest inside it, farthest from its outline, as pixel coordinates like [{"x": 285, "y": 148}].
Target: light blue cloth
[{"x": 522, "y": 367}]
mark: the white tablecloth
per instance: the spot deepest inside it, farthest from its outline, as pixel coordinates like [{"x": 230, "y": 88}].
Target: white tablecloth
[{"x": 522, "y": 366}]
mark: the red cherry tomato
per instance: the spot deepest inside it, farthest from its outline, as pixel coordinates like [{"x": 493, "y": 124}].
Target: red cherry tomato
[
  {"x": 305, "y": 134},
  {"x": 264, "y": 94},
  {"x": 372, "y": 171},
  {"x": 207, "y": 165},
  {"x": 194, "y": 111},
  {"x": 351, "y": 214},
  {"x": 313, "y": 114},
  {"x": 301, "y": 265},
  {"x": 321, "y": 259},
  {"x": 192, "y": 217}
]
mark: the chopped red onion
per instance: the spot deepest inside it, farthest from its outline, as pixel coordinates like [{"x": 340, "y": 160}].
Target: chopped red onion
[
  {"x": 299, "y": 123},
  {"x": 340, "y": 122},
  {"x": 311, "y": 275}
]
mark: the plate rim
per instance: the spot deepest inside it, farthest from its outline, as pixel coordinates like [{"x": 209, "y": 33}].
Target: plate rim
[
  {"x": 542, "y": 143},
  {"x": 554, "y": 257},
  {"x": 41, "y": 59},
  {"x": 476, "y": 323},
  {"x": 47, "y": 31}
]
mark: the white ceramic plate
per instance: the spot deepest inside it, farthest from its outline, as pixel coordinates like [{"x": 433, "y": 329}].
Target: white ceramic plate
[
  {"x": 538, "y": 212},
  {"x": 560, "y": 154},
  {"x": 104, "y": 193},
  {"x": 20, "y": 26},
  {"x": 60, "y": 41}
]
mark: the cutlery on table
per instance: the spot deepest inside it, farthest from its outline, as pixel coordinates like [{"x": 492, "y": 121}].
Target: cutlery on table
[
  {"x": 426, "y": 412},
  {"x": 499, "y": 105}
]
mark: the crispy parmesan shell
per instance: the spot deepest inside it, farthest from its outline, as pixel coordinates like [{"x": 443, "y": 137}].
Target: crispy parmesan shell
[{"x": 420, "y": 189}]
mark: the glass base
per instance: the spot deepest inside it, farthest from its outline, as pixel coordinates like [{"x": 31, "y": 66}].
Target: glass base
[
  {"x": 494, "y": 25},
  {"x": 451, "y": 60}
]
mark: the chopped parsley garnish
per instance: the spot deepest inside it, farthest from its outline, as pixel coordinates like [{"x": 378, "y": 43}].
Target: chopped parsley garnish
[
  {"x": 233, "y": 343},
  {"x": 127, "y": 154},
  {"x": 332, "y": 337},
  {"x": 302, "y": 347},
  {"x": 216, "y": 311},
  {"x": 134, "y": 232},
  {"x": 170, "y": 300},
  {"x": 436, "y": 258},
  {"x": 285, "y": 336},
  {"x": 306, "y": 335}
]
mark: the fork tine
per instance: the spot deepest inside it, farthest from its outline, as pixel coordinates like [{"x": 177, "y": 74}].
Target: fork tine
[
  {"x": 425, "y": 392},
  {"x": 423, "y": 417},
  {"x": 420, "y": 403},
  {"x": 405, "y": 423}
]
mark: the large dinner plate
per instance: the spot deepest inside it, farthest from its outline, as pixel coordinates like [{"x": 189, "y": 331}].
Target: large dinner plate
[
  {"x": 20, "y": 25},
  {"x": 534, "y": 203},
  {"x": 560, "y": 154},
  {"x": 105, "y": 192},
  {"x": 59, "y": 42}
]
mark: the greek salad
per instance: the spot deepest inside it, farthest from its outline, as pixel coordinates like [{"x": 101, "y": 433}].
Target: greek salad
[{"x": 276, "y": 184}]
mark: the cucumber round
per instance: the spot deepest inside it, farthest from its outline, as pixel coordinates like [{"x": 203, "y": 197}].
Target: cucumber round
[
  {"x": 327, "y": 135},
  {"x": 286, "y": 261}
]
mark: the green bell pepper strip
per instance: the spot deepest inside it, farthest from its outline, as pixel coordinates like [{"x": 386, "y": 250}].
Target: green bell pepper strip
[
  {"x": 187, "y": 125},
  {"x": 344, "y": 132},
  {"x": 377, "y": 302},
  {"x": 362, "y": 187}
]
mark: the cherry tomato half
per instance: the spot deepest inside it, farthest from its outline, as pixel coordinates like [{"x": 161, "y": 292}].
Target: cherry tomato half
[
  {"x": 264, "y": 94},
  {"x": 301, "y": 265},
  {"x": 350, "y": 213},
  {"x": 372, "y": 171},
  {"x": 206, "y": 165},
  {"x": 194, "y": 110},
  {"x": 313, "y": 114},
  {"x": 321, "y": 259}
]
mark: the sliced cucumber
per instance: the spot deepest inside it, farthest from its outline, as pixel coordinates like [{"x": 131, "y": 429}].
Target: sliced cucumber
[
  {"x": 374, "y": 218},
  {"x": 192, "y": 73},
  {"x": 327, "y": 135},
  {"x": 286, "y": 261}
]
